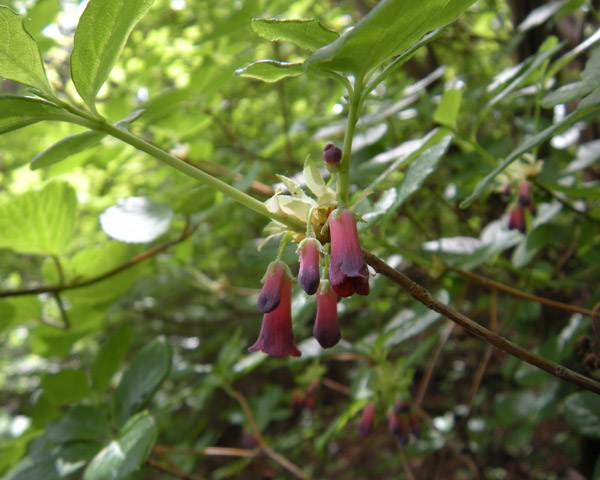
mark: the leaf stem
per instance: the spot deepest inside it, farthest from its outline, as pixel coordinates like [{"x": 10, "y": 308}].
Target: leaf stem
[
  {"x": 184, "y": 167},
  {"x": 343, "y": 180}
]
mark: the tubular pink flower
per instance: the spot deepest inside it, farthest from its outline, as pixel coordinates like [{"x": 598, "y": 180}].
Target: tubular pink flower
[
  {"x": 276, "y": 336},
  {"x": 327, "y": 329},
  {"x": 308, "y": 277},
  {"x": 367, "y": 420},
  {"x": 270, "y": 295},
  {"x": 516, "y": 219},
  {"x": 347, "y": 267},
  {"x": 525, "y": 194}
]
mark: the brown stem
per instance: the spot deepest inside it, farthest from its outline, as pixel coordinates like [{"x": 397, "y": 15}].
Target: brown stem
[
  {"x": 264, "y": 447},
  {"x": 170, "y": 470},
  {"x": 405, "y": 464},
  {"x": 432, "y": 363},
  {"x": 209, "y": 451},
  {"x": 54, "y": 289},
  {"x": 422, "y": 295}
]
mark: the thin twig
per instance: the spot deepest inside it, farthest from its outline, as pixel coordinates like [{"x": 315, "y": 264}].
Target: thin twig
[
  {"x": 488, "y": 351},
  {"x": 564, "y": 202},
  {"x": 432, "y": 363},
  {"x": 264, "y": 447},
  {"x": 338, "y": 387},
  {"x": 90, "y": 281},
  {"x": 405, "y": 463},
  {"x": 209, "y": 451},
  {"x": 422, "y": 295},
  {"x": 170, "y": 470},
  {"x": 518, "y": 293}
]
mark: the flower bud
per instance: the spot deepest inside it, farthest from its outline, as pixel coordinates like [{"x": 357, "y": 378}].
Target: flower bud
[
  {"x": 332, "y": 155},
  {"x": 308, "y": 276},
  {"x": 516, "y": 219},
  {"x": 524, "y": 194},
  {"x": 367, "y": 420}
]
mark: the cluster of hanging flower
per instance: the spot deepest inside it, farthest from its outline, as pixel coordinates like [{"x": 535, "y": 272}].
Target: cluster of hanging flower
[
  {"x": 403, "y": 423},
  {"x": 516, "y": 215},
  {"x": 344, "y": 268}
]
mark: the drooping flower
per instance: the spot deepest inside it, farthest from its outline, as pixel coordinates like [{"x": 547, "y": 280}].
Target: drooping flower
[
  {"x": 525, "y": 194},
  {"x": 308, "y": 277},
  {"x": 367, "y": 420},
  {"x": 348, "y": 272},
  {"x": 270, "y": 295},
  {"x": 276, "y": 336},
  {"x": 516, "y": 219},
  {"x": 397, "y": 427},
  {"x": 327, "y": 329}
]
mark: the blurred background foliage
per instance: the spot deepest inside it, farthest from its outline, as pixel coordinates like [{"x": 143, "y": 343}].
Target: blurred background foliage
[{"x": 170, "y": 334}]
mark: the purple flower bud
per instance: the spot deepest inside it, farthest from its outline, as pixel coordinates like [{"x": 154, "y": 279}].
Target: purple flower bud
[
  {"x": 313, "y": 388},
  {"x": 397, "y": 427},
  {"x": 276, "y": 336},
  {"x": 270, "y": 295},
  {"x": 348, "y": 272},
  {"x": 327, "y": 329},
  {"x": 308, "y": 277},
  {"x": 367, "y": 420},
  {"x": 524, "y": 194},
  {"x": 516, "y": 219},
  {"x": 399, "y": 405},
  {"x": 332, "y": 155},
  {"x": 506, "y": 191}
]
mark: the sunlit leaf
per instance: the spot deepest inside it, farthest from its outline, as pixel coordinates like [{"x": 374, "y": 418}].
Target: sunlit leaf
[
  {"x": 308, "y": 34},
  {"x": 65, "y": 148},
  {"x": 18, "y": 112},
  {"x": 127, "y": 453},
  {"x": 39, "y": 222},
  {"x": 389, "y": 29},
  {"x": 99, "y": 40},
  {"x": 270, "y": 70},
  {"x": 20, "y": 58}
]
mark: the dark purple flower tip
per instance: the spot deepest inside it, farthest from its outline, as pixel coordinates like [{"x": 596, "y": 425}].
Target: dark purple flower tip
[
  {"x": 516, "y": 219},
  {"x": 308, "y": 277},
  {"x": 276, "y": 336},
  {"x": 532, "y": 209},
  {"x": 332, "y": 155},
  {"x": 270, "y": 295},
  {"x": 397, "y": 427},
  {"x": 399, "y": 405},
  {"x": 524, "y": 194},
  {"x": 348, "y": 272},
  {"x": 327, "y": 329},
  {"x": 415, "y": 426},
  {"x": 367, "y": 420}
]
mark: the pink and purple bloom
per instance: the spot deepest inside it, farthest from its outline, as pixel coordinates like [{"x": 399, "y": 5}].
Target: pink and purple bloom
[
  {"x": 327, "y": 329},
  {"x": 348, "y": 272},
  {"x": 367, "y": 420},
  {"x": 308, "y": 277},
  {"x": 276, "y": 336},
  {"x": 516, "y": 219}
]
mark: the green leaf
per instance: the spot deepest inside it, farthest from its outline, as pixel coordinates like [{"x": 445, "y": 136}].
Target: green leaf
[
  {"x": 147, "y": 371},
  {"x": 592, "y": 100},
  {"x": 125, "y": 455},
  {"x": 110, "y": 356},
  {"x": 308, "y": 34},
  {"x": 66, "y": 386},
  {"x": 520, "y": 150},
  {"x": 18, "y": 112},
  {"x": 39, "y": 222},
  {"x": 82, "y": 423},
  {"x": 565, "y": 94},
  {"x": 270, "y": 70},
  {"x": 314, "y": 180},
  {"x": 136, "y": 220},
  {"x": 99, "y": 40},
  {"x": 389, "y": 29},
  {"x": 65, "y": 148},
  {"x": 49, "y": 462},
  {"x": 447, "y": 111},
  {"x": 20, "y": 58},
  {"x": 420, "y": 168},
  {"x": 582, "y": 411}
]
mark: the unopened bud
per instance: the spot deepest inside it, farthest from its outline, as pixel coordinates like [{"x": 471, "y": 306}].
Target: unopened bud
[
  {"x": 525, "y": 194},
  {"x": 332, "y": 155},
  {"x": 367, "y": 420}
]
